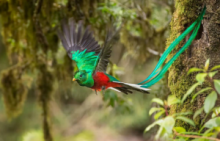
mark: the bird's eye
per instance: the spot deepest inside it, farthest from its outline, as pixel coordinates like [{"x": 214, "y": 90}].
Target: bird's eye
[{"x": 81, "y": 75}]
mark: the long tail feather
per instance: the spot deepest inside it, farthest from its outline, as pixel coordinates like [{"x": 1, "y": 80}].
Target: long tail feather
[
  {"x": 169, "y": 49},
  {"x": 128, "y": 88},
  {"x": 157, "y": 74}
]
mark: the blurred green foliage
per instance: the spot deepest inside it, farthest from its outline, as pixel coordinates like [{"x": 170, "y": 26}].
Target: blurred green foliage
[{"x": 33, "y": 136}]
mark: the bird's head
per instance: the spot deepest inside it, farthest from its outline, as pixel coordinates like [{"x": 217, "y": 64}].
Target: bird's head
[
  {"x": 83, "y": 78},
  {"x": 80, "y": 76}
]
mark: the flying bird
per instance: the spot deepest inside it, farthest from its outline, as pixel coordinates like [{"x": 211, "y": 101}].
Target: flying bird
[{"x": 92, "y": 59}]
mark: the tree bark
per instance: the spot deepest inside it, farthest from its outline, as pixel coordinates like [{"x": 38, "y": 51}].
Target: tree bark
[{"x": 205, "y": 46}]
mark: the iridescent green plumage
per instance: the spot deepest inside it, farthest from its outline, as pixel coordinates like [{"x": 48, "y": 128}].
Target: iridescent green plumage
[
  {"x": 84, "y": 78},
  {"x": 85, "y": 60}
]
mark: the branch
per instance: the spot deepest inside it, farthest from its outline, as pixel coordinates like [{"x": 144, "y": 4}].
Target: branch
[
  {"x": 195, "y": 136},
  {"x": 165, "y": 107},
  {"x": 154, "y": 52}
]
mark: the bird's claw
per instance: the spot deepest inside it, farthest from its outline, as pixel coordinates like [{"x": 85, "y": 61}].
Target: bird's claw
[{"x": 103, "y": 90}]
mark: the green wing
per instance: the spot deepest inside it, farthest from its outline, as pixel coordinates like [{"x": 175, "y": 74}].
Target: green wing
[{"x": 80, "y": 46}]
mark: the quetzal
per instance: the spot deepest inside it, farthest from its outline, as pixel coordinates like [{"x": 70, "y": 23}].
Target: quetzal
[{"x": 92, "y": 60}]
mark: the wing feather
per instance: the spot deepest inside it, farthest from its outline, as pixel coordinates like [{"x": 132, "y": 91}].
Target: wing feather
[
  {"x": 105, "y": 54},
  {"x": 80, "y": 46}
]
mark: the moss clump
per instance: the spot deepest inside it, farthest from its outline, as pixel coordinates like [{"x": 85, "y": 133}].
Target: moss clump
[{"x": 14, "y": 91}]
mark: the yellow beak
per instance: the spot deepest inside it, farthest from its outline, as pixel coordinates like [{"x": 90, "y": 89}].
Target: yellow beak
[{"x": 74, "y": 79}]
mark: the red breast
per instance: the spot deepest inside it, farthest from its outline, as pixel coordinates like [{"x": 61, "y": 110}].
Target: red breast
[{"x": 101, "y": 79}]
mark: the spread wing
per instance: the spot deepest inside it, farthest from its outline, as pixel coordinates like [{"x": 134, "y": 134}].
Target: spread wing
[
  {"x": 102, "y": 61},
  {"x": 80, "y": 46},
  {"x": 105, "y": 53}
]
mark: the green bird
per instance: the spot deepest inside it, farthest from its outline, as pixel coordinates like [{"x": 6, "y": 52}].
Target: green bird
[{"x": 92, "y": 59}]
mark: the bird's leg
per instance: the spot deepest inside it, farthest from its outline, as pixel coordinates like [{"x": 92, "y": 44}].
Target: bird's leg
[
  {"x": 95, "y": 92},
  {"x": 103, "y": 90}
]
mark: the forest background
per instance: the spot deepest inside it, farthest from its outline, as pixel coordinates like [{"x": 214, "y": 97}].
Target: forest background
[{"x": 40, "y": 102}]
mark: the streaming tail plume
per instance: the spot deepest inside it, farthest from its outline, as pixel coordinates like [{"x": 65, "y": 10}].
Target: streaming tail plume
[{"x": 158, "y": 73}]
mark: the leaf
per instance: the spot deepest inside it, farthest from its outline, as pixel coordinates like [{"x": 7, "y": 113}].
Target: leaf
[
  {"x": 191, "y": 89},
  {"x": 180, "y": 129},
  {"x": 194, "y": 70},
  {"x": 166, "y": 127},
  {"x": 210, "y": 101},
  {"x": 183, "y": 114},
  {"x": 198, "y": 112},
  {"x": 158, "y": 122},
  {"x": 160, "y": 133},
  {"x": 207, "y": 65},
  {"x": 157, "y": 115},
  {"x": 215, "y": 67},
  {"x": 200, "y": 92},
  {"x": 216, "y": 111},
  {"x": 111, "y": 103},
  {"x": 193, "y": 133},
  {"x": 215, "y": 122},
  {"x": 217, "y": 85},
  {"x": 173, "y": 100},
  {"x": 211, "y": 74},
  {"x": 179, "y": 139},
  {"x": 157, "y": 100},
  {"x": 168, "y": 124},
  {"x": 201, "y": 77},
  {"x": 154, "y": 109},
  {"x": 207, "y": 132},
  {"x": 199, "y": 139},
  {"x": 187, "y": 120}
]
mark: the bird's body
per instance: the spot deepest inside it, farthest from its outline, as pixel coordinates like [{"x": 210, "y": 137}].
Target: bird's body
[
  {"x": 103, "y": 81},
  {"x": 92, "y": 60}
]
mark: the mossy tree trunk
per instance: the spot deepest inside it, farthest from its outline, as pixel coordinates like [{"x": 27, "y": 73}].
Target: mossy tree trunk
[{"x": 206, "y": 45}]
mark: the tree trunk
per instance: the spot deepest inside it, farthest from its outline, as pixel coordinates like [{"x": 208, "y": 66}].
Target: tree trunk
[{"x": 206, "y": 45}]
